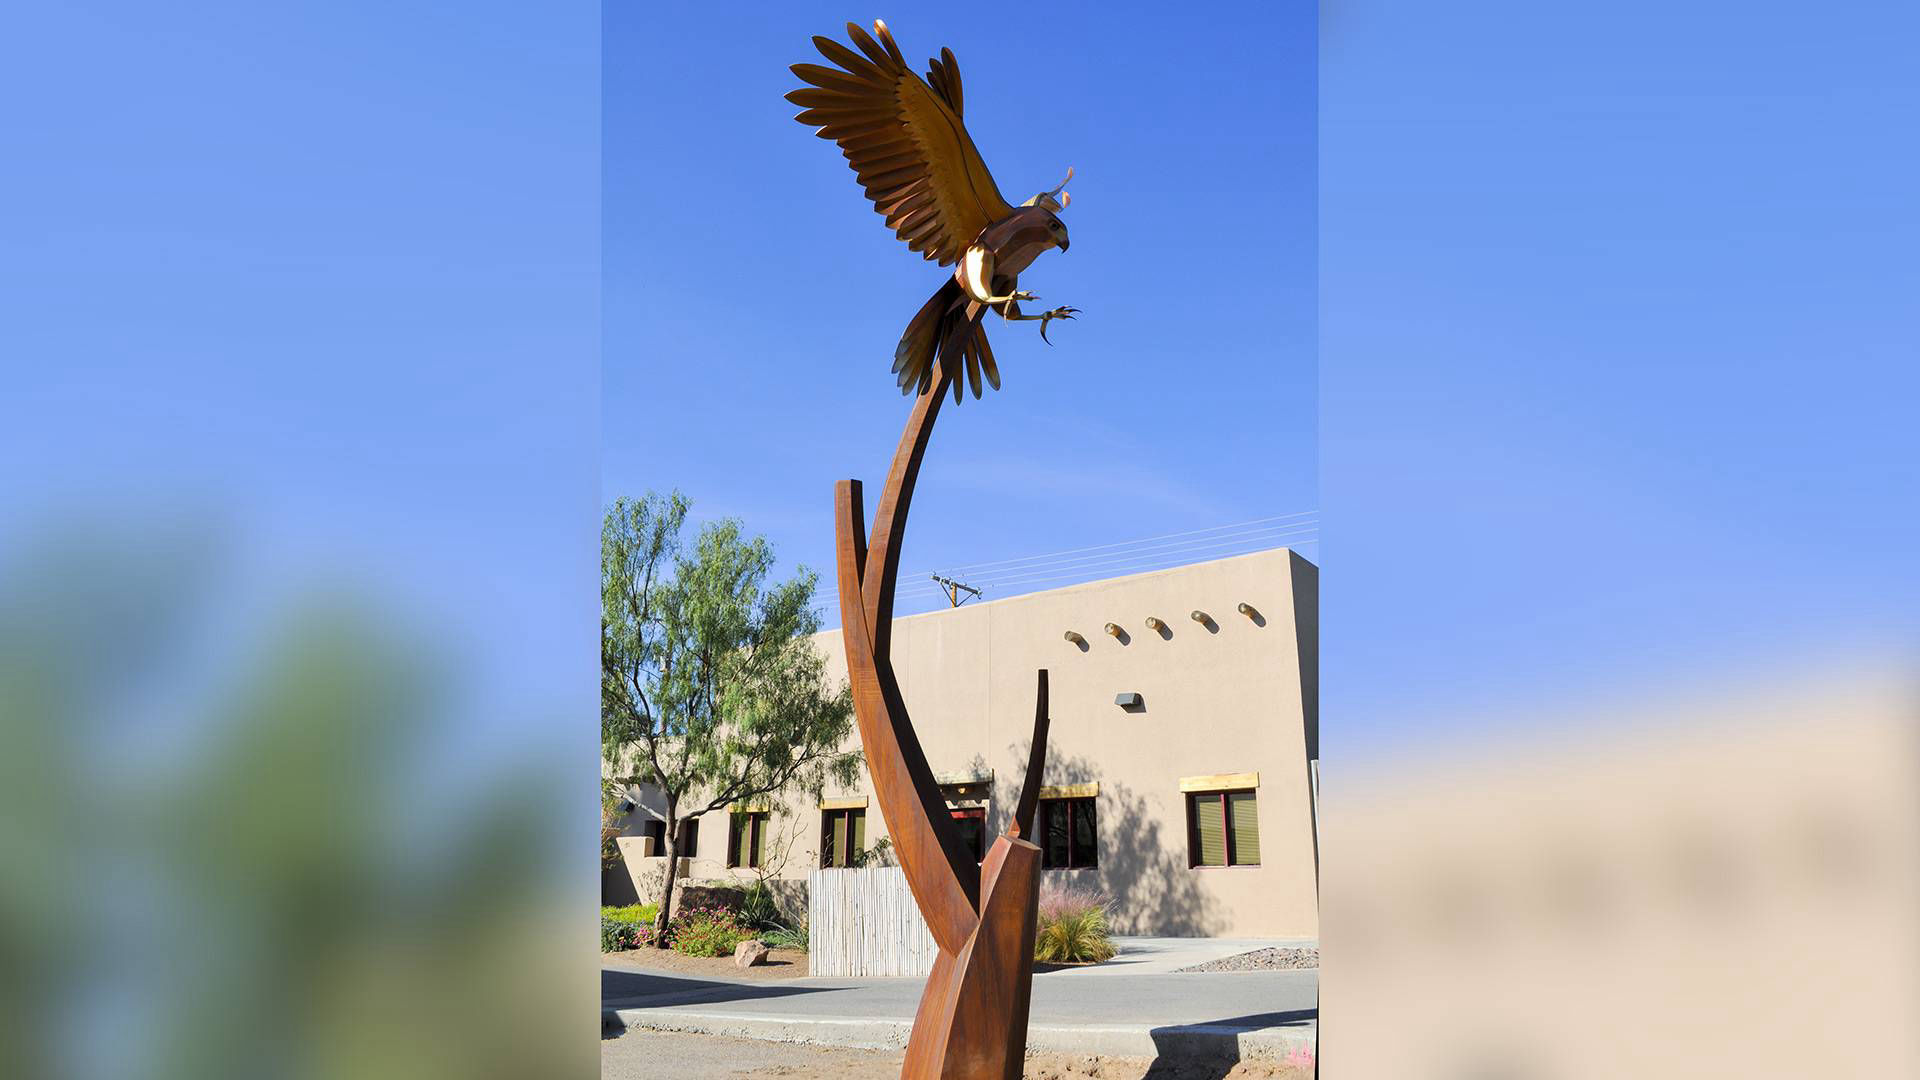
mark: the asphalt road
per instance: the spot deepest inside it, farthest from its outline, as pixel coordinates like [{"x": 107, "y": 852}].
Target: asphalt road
[{"x": 1239, "y": 998}]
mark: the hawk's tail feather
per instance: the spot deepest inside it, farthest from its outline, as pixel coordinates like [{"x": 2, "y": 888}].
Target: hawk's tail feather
[{"x": 946, "y": 330}]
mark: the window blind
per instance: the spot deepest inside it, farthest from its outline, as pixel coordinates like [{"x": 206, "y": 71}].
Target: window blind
[
  {"x": 1209, "y": 828},
  {"x": 742, "y": 837},
  {"x": 1244, "y": 814}
]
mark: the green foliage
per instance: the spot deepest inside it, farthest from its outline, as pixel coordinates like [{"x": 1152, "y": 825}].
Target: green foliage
[
  {"x": 633, "y": 913},
  {"x": 782, "y": 937},
  {"x": 610, "y": 798},
  {"x": 620, "y": 935},
  {"x": 629, "y": 927},
  {"x": 708, "y": 931},
  {"x": 1073, "y": 929},
  {"x": 710, "y": 689},
  {"x": 880, "y": 854},
  {"x": 757, "y": 907}
]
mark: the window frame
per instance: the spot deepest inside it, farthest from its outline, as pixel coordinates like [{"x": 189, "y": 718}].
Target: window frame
[
  {"x": 828, "y": 817},
  {"x": 1043, "y": 820},
  {"x": 977, "y": 814},
  {"x": 756, "y": 854},
  {"x": 1219, "y": 797},
  {"x": 689, "y": 837}
]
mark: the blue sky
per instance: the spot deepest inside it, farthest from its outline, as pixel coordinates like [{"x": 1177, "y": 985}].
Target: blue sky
[
  {"x": 1618, "y": 351},
  {"x": 1615, "y": 314},
  {"x": 753, "y": 298},
  {"x": 322, "y": 284}
]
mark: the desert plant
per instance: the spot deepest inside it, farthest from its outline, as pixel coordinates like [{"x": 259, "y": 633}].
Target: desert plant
[
  {"x": 758, "y": 909},
  {"x": 1072, "y": 927},
  {"x": 708, "y": 931},
  {"x": 785, "y": 938}
]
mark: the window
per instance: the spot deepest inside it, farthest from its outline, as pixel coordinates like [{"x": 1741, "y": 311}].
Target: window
[
  {"x": 1223, "y": 829},
  {"x": 843, "y": 835},
  {"x": 746, "y": 838},
  {"x": 689, "y": 837},
  {"x": 972, "y": 821},
  {"x": 1067, "y": 834}
]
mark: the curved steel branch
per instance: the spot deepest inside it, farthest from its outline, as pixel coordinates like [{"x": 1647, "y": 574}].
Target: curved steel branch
[
  {"x": 1036, "y": 762},
  {"x": 940, "y": 870}
]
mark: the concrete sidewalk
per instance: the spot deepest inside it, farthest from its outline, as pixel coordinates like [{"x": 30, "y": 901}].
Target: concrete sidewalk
[{"x": 1138, "y": 1009}]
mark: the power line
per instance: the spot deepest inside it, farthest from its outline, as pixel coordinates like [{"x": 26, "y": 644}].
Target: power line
[
  {"x": 1125, "y": 556},
  {"x": 1159, "y": 561},
  {"x": 1180, "y": 553},
  {"x": 1295, "y": 533},
  {"x": 974, "y": 567},
  {"x": 1144, "y": 548}
]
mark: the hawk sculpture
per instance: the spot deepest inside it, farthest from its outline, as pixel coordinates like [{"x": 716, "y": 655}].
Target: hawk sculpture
[
  {"x": 912, "y": 154},
  {"x": 904, "y": 137}
]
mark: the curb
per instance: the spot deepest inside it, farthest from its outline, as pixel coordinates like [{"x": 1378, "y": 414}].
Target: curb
[{"x": 1198, "y": 1041}]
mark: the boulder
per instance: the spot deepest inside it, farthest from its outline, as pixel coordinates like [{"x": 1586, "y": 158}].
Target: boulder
[{"x": 748, "y": 953}]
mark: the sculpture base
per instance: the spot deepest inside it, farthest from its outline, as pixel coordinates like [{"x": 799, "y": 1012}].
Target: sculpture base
[{"x": 972, "y": 1021}]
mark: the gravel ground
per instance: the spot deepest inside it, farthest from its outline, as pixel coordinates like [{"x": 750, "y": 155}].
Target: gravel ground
[
  {"x": 670, "y": 1055},
  {"x": 781, "y": 964},
  {"x": 1263, "y": 960}
]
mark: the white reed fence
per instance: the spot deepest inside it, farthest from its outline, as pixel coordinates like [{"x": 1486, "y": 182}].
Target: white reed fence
[{"x": 865, "y": 923}]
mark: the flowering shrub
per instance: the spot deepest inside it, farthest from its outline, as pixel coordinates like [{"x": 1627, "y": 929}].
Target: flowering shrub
[
  {"x": 619, "y": 935},
  {"x": 1072, "y": 927},
  {"x": 623, "y": 928},
  {"x": 708, "y": 931}
]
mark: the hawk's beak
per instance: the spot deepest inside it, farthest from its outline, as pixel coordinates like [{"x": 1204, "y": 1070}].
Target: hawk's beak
[{"x": 1063, "y": 242}]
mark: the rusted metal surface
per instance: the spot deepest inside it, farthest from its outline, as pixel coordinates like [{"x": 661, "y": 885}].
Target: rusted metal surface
[
  {"x": 910, "y": 152},
  {"x": 972, "y": 1020}
]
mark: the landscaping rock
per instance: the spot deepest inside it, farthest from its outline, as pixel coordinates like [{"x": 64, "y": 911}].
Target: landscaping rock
[
  {"x": 748, "y": 953},
  {"x": 1264, "y": 960}
]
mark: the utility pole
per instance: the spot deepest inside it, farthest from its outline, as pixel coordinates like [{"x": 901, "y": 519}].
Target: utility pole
[{"x": 954, "y": 589}]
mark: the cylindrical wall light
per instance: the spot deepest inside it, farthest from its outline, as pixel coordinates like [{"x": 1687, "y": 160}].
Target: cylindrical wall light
[
  {"x": 1113, "y": 629},
  {"x": 1198, "y": 616},
  {"x": 1155, "y": 625},
  {"x": 1247, "y": 610},
  {"x": 1074, "y": 636}
]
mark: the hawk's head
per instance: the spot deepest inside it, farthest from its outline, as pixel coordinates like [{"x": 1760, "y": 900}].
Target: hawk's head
[{"x": 1049, "y": 204}]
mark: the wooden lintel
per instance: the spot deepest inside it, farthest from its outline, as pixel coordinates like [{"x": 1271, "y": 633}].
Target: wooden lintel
[{"x": 1237, "y": 781}]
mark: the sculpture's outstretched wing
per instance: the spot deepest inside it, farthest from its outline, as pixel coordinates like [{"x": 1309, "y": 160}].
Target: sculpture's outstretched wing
[{"x": 904, "y": 138}]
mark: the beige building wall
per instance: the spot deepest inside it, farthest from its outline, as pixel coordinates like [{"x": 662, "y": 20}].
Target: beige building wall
[{"x": 1236, "y": 694}]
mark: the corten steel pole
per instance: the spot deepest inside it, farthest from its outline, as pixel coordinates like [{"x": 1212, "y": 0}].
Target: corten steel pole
[{"x": 972, "y": 1021}]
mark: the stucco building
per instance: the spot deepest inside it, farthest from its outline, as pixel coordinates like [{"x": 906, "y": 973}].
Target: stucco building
[{"x": 1180, "y": 762}]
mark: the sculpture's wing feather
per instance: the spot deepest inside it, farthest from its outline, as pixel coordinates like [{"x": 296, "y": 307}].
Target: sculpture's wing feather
[
  {"x": 905, "y": 140},
  {"x": 943, "y": 74}
]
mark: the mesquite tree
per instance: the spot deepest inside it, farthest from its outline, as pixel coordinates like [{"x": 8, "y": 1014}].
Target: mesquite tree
[{"x": 710, "y": 690}]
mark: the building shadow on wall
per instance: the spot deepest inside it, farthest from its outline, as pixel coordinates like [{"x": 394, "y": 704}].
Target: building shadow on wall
[{"x": 1142, "y": 862}]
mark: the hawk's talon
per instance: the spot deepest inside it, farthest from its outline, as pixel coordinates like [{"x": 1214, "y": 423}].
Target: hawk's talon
[{"x": 1049, "y": 316}]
